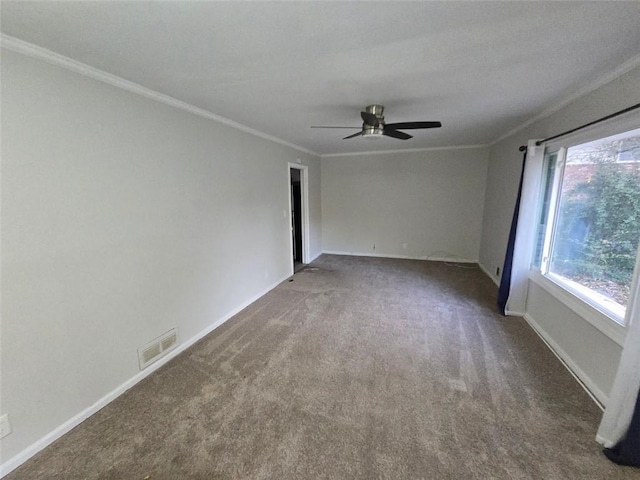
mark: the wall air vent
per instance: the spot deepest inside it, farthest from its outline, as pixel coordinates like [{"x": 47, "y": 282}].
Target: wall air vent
[{"x": 157, "y": 348}]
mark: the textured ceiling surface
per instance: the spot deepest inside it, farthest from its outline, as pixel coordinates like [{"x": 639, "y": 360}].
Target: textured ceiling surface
[{"x": 481, "y": 68}]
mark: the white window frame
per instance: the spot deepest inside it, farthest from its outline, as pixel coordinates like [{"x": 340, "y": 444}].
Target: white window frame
[{"x": 604, "y": 314}]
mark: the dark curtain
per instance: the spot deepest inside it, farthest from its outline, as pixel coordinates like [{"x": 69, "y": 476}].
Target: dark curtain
[
  {"x": 505, "y": 281},
  {"x": 627, "y": 451}
]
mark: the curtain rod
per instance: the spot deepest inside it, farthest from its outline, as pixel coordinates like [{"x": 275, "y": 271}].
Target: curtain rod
[{"x": 628, "y": 109}]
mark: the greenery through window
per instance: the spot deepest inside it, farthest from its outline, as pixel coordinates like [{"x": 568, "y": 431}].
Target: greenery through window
[{"x": 596, "y": 221}]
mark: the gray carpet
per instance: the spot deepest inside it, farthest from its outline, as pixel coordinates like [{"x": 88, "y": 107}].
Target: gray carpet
[{"x": 360, "y": 368}]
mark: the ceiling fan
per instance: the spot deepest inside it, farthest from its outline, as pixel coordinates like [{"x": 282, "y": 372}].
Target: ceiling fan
[{"x": 375, "y": 127}]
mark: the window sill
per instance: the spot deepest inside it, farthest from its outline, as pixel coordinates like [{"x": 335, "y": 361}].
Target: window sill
[
  {"x": 604, "y": 305},
  {"x": 600, "y": 320}
]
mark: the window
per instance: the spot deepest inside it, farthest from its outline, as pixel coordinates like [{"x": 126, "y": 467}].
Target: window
[{"x": 590, "y": 220}]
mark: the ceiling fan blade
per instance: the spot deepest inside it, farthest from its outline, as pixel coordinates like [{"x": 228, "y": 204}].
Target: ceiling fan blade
[
  {"x": 322, "y": 126},
  {"x": 353, "y": 136},
  {"x": 370, "y": 119},
  {"x": 390, "y": 132},
  {"x": 413, "y": 125}
]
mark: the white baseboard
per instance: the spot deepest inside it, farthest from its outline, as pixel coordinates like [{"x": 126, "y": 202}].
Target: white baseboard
[
  {"x": 405, "y": 257},
  {"x": 495, "y": 279},
  {"x": 73, "y": 422},
  {"x": 597, "y": 395}
]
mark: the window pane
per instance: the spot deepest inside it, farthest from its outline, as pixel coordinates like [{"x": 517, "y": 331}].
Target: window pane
[
  {"x": 547, "y": 188},
  {"x": 598, "y": 223}
]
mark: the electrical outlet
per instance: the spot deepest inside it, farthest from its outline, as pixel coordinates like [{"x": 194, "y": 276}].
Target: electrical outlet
[{"x": 5, "y": 426}]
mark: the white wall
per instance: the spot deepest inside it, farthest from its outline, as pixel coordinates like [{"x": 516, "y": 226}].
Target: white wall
[
  {"x": 571, "y": 337},
  {"x": 122, "y": 217},
  {"x": 559, "y": 324},
  {"x": 429, "y": 200}
]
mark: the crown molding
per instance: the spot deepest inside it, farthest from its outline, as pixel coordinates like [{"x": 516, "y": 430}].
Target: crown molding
[
  {"x": 402, "y": 150},
  {"x": 600, "y": 82},
  {"x": 34, "y": 51}
]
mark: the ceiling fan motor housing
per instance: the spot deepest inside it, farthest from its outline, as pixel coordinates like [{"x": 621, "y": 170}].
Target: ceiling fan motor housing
[
  {"x": 368, "y": 130},
  {"x": 376, "y": 110}
]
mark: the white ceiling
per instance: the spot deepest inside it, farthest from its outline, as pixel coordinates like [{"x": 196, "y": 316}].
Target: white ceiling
[{"x": 481, "y": 68}]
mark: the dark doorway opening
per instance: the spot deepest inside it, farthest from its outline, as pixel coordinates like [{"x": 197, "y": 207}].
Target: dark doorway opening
[{"x": 296, "y": 218}]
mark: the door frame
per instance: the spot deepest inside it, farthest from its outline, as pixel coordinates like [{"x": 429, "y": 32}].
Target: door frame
[{"x": 304, "y": 197}]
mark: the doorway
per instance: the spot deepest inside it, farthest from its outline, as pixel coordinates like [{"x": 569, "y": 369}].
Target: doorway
[{"x": 298, "y": 215}]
